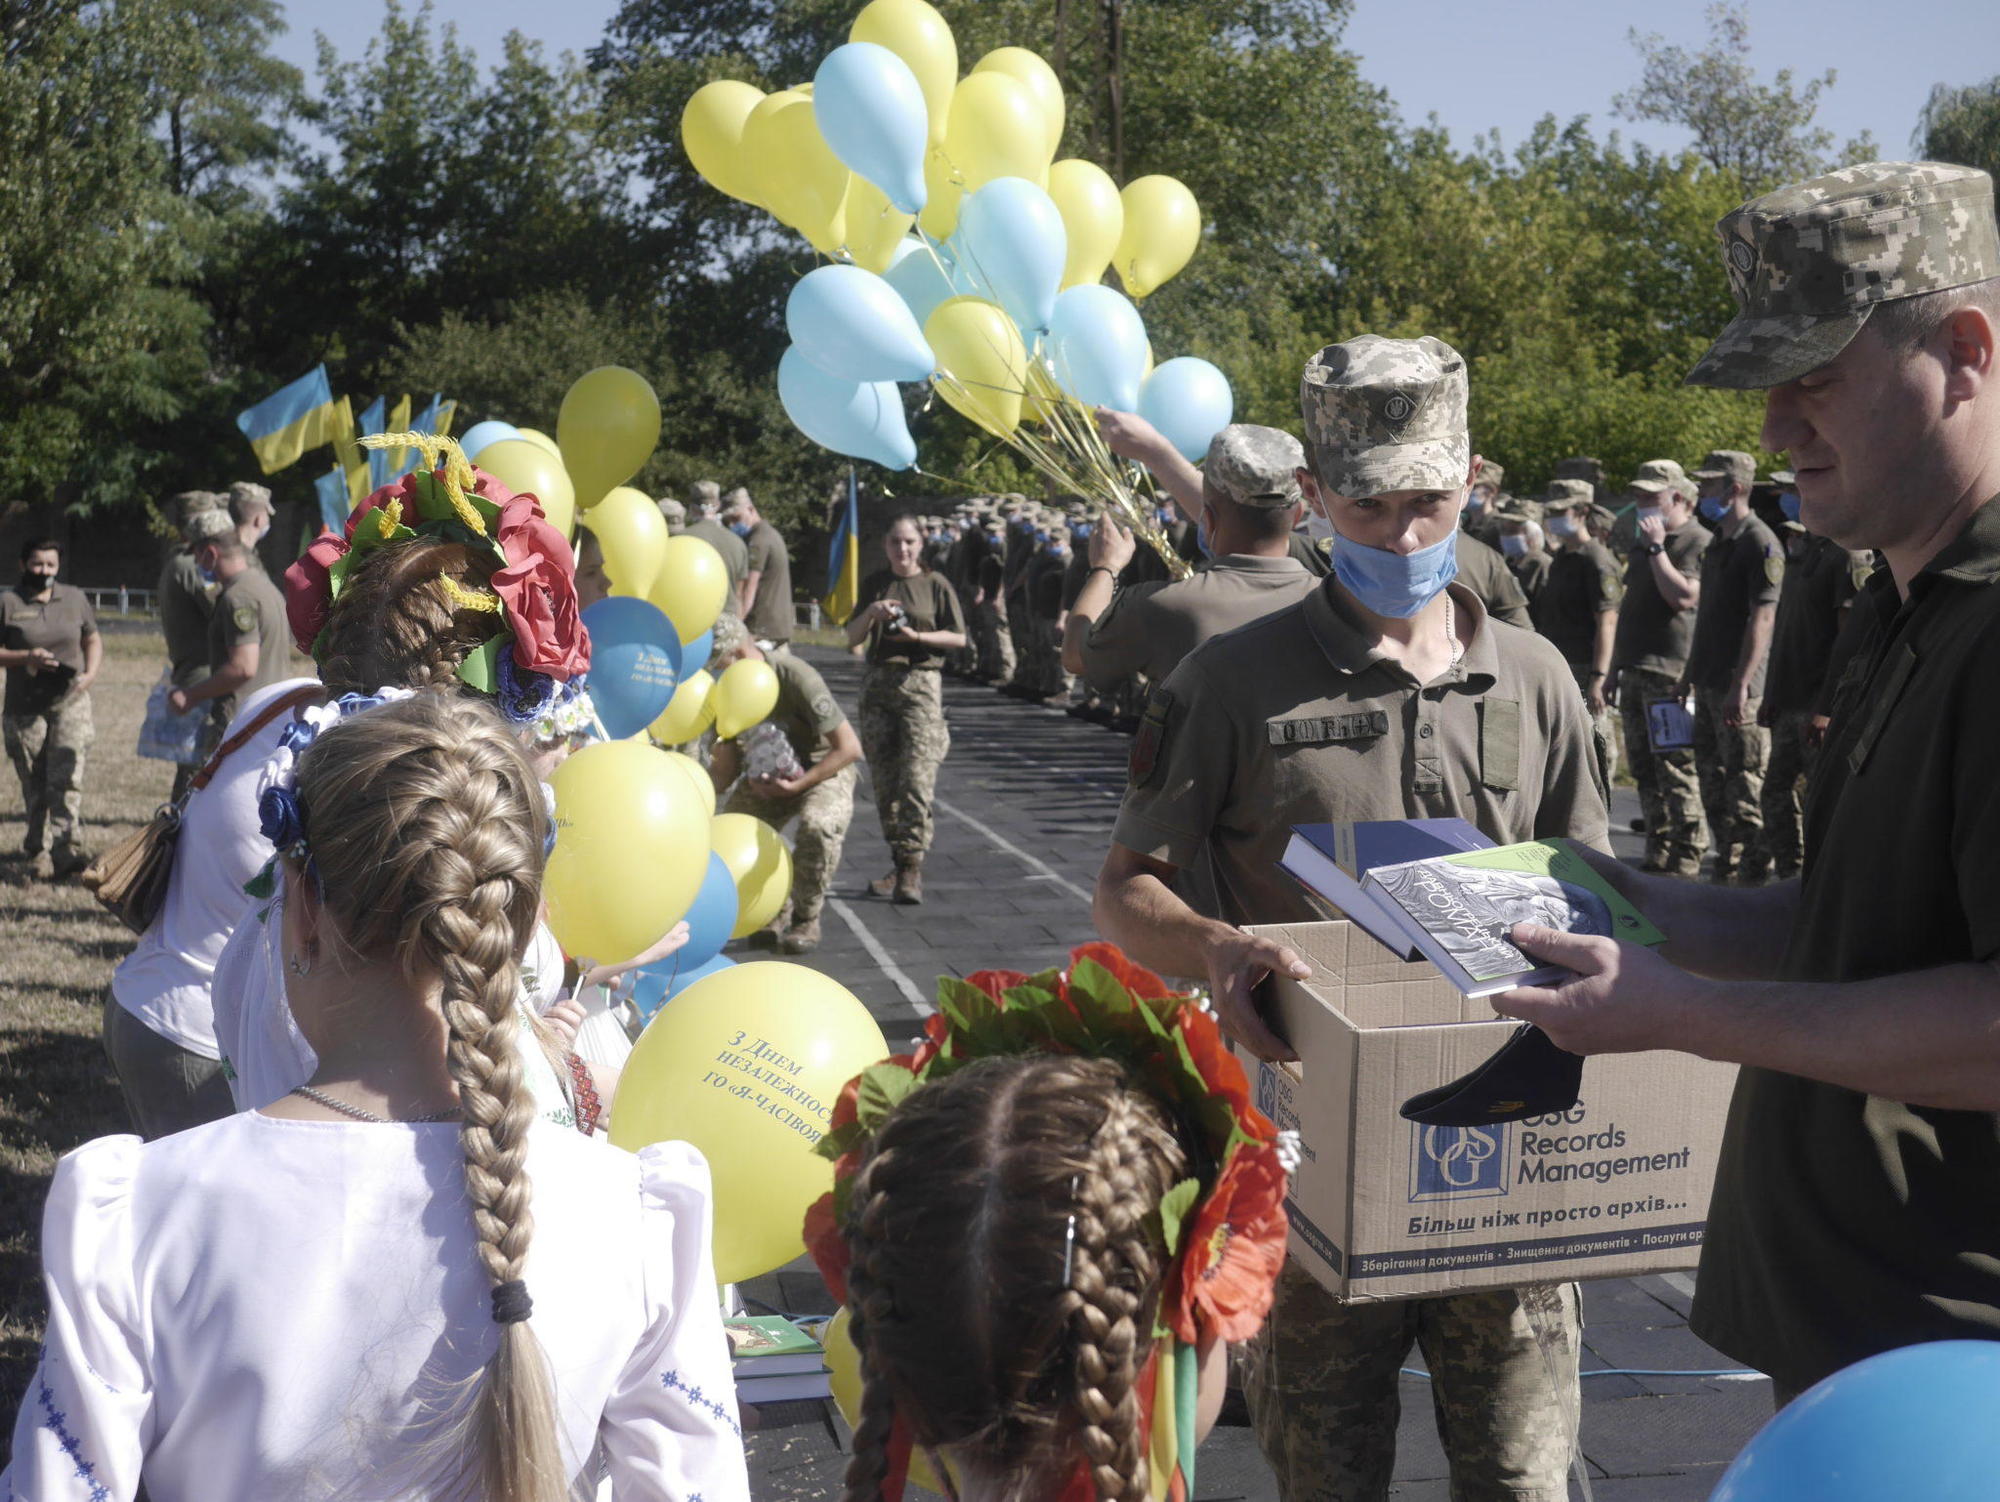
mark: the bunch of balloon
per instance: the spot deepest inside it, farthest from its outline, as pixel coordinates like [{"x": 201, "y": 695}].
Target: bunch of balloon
[
  {"x": 699, "y": 1073},
  {"x": 632, "y": 838},
  {"x": 635, "y": 664}
]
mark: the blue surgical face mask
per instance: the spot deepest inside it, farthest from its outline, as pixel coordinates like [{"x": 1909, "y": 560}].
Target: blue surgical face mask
[
  {"x": 1562, "y": 526},
  {"x": 1713, "y": 508},
  {"x": 207, "y": 575},
  {"x": 1788, "y": 502},
  {"x": 741, "y": 529},
  {"x": 1515, "y": 546},
  {"x": 1395, "y": 584}
]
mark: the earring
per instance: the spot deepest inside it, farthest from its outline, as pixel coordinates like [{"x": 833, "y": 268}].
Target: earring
[{"x": 299, "y": 965}]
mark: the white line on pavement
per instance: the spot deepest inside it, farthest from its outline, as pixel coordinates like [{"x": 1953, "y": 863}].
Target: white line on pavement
[
  {"x": 1033, "y": 862},
  {"x": 881, "y": 957},
  {"x": 1681, "y": 1283}
]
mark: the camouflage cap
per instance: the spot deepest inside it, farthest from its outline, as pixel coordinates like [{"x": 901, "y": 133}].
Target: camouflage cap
[
  {"x": 1254, "y": 466},
  {"x": 248, "y": 493},
  {"x": 1728, "y": 464},
  {"x": 672, "y": 509},
  {"x": 1563, "y": 494},
  {"x": 1581, "y": 468},
  {"x": 1808, "y": 263},
  {"x": 1656, "y": 475},
  {"x": 1518, "y": 509},
  {"x": 1602, "y": 516},
  {"x": 207, "y": 526},
  {"x": 1492, "y": 472},
  {"x": 1386, "y": 414},
  {"x": 705, "y": 493},
  {"x": 1783, "y": 477}
]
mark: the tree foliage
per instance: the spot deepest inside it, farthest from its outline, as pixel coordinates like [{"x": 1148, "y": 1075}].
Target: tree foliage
[{"x": 1962, "y": 125}]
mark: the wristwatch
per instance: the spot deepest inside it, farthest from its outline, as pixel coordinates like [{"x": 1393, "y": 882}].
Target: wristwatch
[{"x": 1654, "y": 549}]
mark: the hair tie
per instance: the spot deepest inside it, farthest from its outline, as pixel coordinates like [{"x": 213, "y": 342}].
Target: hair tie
[{"x": 511, "y": 1303}]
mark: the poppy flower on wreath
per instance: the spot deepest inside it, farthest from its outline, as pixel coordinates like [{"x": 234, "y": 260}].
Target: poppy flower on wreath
[
  {"x": 1137, "y": 979},
  {"x": 538, "y": 588},
  {"x": 1234, "y": 1249},
  {"x": 1221, "y": 1072},
  {"x": 827, "y": 1246},
  {"x": 996, "y": 983}
]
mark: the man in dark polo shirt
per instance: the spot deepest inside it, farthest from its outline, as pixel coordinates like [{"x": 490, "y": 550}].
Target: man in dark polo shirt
[
  {"x": 1578, "y": 606},
  {"x": 249, "y": 641},
  {"x": 766, "y": 592},
  {"x": 1649, "y": 655},
  {"x": 1857, "y": 1207},
  {"x": 1821, "y": 581},
  {"x": 1740, "y": 575},
  {"x": 51, "y": 650}
]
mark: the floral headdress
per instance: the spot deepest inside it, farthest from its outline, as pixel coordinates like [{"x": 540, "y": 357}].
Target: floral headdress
[
  {"x": 1223, "y": 1227},
  {"x": 539, "y": 628}
]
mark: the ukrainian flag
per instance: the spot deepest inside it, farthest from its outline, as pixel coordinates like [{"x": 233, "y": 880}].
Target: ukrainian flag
[
  {"x": 282, "y": 427},
  {"x": 843, "y": 564}
]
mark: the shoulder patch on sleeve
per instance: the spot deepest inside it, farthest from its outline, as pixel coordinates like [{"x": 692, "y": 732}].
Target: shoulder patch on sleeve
[
  {"x": 1150, "y": 744},
  {"x": 1774, "y": 566},
  {"x": 244, "y": 618}
]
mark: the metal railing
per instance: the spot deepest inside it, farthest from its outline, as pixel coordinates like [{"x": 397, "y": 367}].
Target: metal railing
[{"x": 123, "y": 599}]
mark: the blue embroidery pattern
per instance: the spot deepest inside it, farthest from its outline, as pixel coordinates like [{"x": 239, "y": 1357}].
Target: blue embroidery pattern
[
  {"x": 696, "y": 1398},
  {"x": 56, "y": 1421}
]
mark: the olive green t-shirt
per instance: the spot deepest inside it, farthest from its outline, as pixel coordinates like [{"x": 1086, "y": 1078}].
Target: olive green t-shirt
[
  {"x": 929, "y": 603},
  {"x": 1845, "y": 1224},
  {"x": 1582, "y": 585},
  {"x": 186, "y": 603},
  {"x": 735, "y": 556},
  {"x": 1483, "y": 571},
  {"x": 1819, "y": 585},
  {"x": 1739, "y": 573},
  {"x": 1298, "y": 718},
  {"x": 807, "y": 712},
  {"x": 1149, "y": 628},
  {"x": 59, "y": 624},
  {"x": 1652, "y": 635},
  {"x": 249, "y": 608},
  {"x": 771, "y": 616}
]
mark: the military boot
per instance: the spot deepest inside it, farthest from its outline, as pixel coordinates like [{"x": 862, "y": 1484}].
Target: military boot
[
  {"x": 801, "y": 938},
  {"x": 883, "y": 886},
  {"x": 909, "y": 886}
]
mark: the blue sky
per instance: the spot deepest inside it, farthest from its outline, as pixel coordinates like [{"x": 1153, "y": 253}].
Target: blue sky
[{"x": 1475, "y": 64}]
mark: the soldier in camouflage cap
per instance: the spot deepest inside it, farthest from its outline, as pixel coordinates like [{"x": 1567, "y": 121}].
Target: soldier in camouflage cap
[
  {"x": 1563, "y": 494},
  {"x": 1809, "y": 263},
  {"x": 1254, "y": 466},
  {"x": 1384, "y": 415}
]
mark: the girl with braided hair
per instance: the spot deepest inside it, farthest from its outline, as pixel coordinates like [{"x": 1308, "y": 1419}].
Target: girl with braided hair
[
  {"x": 1046, "y": 1239},
  {"x": 330, "y": 1297}
]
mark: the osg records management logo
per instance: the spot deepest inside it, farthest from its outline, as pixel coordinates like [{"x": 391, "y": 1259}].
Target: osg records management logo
[{"x": 1450, "y": 1163}]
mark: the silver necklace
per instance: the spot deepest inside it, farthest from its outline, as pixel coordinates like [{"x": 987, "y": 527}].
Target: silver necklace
[
  {"x": 1456, "y": 647},
  {"x": 360, "y": 1115}
]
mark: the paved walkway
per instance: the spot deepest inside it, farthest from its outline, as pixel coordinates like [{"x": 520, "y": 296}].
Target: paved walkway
[{"x": 1025, "y": 805}]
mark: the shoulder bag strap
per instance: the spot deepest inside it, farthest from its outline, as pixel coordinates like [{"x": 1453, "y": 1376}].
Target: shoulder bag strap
[{"x": 305, "y": 694}]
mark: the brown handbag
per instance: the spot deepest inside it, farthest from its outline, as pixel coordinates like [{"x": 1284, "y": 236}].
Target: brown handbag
[{"x": 130, "y": 879}]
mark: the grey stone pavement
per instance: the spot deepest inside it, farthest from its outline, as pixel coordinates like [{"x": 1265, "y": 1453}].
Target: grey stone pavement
[{"x": 1025, "y": 805}]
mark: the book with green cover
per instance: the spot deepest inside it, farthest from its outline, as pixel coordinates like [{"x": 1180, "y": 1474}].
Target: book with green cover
[
  {"x": 769, "y": 1345},
  {"x": 1459, "y": 909}
]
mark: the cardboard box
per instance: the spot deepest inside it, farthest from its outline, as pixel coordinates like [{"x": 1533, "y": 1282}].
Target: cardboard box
[{"x": 1384, "y": 1208}]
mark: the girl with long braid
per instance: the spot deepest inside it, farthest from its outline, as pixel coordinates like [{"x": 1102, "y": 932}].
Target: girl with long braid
[
  {"x": 1046, "y": 1225},
  {"x": 397, "y": 1280}
]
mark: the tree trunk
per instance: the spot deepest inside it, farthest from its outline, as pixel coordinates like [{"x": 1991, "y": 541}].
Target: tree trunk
[{"x": 1114, "y": 84}]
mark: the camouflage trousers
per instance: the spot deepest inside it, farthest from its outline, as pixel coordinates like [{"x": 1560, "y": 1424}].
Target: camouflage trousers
[
  {"x": 993, "y": 642},
  {"x": 1602, "y": 728},
  {"x": 1669, "y": 786},
  {"x": 1786, "y": 775},
  {"x": 824, "y": 811},
  {"x": 1732, "y": 759},
  {"x": 1322, "y": 1380},
  {"x": 902, "y": 727},
  {"x": 47, "y": 751}
]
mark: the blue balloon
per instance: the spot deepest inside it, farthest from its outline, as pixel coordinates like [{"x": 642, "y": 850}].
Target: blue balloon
[
  {"x": 1011, "y": 233},
  {"x": 635, "y": 663},
  {"x": 870, "y": 108},
  {"x": 694, "y": 654},
  {"x": 480, "y": 434},
  {"x": 1097, "y": 347},
  {"x": 1189, "y": 401},
  {"x": 710, "y": 917},
  {"x": 655, "y": 989},
  {"x": 862, "y": 419},
  {"x": 851, "y": 323},
  {"x": 922, "y": 285},
  {"x": 1916, "y": 1423}
]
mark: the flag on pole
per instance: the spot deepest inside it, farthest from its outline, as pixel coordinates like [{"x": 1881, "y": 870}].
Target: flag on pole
[
  {"x": 287, "y": 423},
  {"x": 348, "y": 452},
  {"x": 437, "y": 416},
  {"x": 843, "y": 564},
  {"x": 331, "y": 488},
  {"x": 386, "y": 465}
]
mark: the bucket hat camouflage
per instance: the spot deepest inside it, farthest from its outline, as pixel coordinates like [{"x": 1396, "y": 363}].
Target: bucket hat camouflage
[
  {"x": 1254, "y": 466},
  {"x": 1386, "y": 414},
  {"x": 1657, "y": 475},
  {"x": 1563, "y": 494},
  {"x": 1808, "y": 263}
]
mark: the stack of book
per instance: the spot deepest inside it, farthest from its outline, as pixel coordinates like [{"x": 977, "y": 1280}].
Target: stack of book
[
  {"x": 1439, "y": 890},
  {"x": 774, "y": 1360}
]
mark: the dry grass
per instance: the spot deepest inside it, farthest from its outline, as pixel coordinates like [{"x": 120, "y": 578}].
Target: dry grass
[{"x": 57, "y": 950}]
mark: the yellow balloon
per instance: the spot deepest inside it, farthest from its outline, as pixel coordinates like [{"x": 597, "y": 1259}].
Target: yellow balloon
[
  {"x": 916, "y": 33},
  {"x": 875, "y": 227},
  {"x": 843, "y": 1366},
  {"x": 631, "y": 843},
  {"x": 540, "y": 440},
  {"x": 608, "y": 427},
  {"x": 696, "y": 773},
  {"x": 523, "y": 465},
  {"x": 980, "y": 352},
  {"x": 687, "y": 714},
  {"x": 1162, "y": 230},
  {"x": 712, "y": 133},
  {"x": 995, "y": 130},
  {"x": 691, "y": 585},
  {"x": 760, "y": 860},
  {"x": 1038, "y": 78},
  {"x": 746, "y": 692},
  {"x": 798, "y": 177},
  {"x": 1093, "y": 216},
  {"x": 940, "y": 214},
  {"x": 633, "y": 535},
  {"x": 745, "y": 1065}
]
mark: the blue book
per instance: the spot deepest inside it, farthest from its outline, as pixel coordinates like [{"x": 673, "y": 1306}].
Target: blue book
[{"x": 1330, "y": 860}]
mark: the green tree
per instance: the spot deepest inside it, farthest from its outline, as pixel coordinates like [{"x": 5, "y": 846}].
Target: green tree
[
  {"x": 1763, "y": 133},
  {"x": 1962, "y": 125}
]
